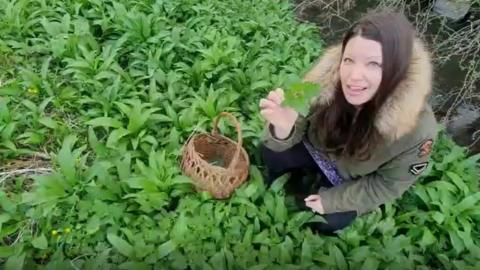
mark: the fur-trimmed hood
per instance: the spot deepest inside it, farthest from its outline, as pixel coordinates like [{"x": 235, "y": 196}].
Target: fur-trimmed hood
[{"x": 399, "y": 114}]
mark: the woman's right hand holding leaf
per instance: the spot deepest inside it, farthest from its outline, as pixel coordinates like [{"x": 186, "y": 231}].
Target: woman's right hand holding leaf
[{"x": 282, "y": 118}]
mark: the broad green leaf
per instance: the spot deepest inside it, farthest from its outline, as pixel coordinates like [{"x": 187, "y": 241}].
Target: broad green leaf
[
  {"x": 40, "y": 242},
  {"x": 359, "y": 254},
  {"x": 48, "y": 122},
  {"x": 339, "y": 258},
  {"x": 438, "y": 217},
  {"x": 7, "y": 251},
  {"x": 105, "y": 122},
  {"x": 259, "y": 85},
  {"x": 456, "y": 242},
  {"x": 15, "y": 262},
  {"x": 67, "y": 160},
  {"x": 286, "y": 250},
  {"x": 251, "y": 190},
  {"x": 457, "y": 180},
  {"x": 4, "y": 217},
  {"x": 428, "y": 238},
  {"x": 93, "y": 225},
  {"x": 371, "y": 263},
  {"x": 121, "y": 245},
  {"x": 259, "y": 267},
  {"x": 218, "y": 260},
  {"x": 166, "y": 248},
  {"x": 134, "y": 266},
  {"x": 467, "y": 203},
  {"x": 100, "y": 261},
  {"x": 299, "y": 95},
  {"x": 306, "y": 254},
  {"x": 281, "y": 213},
  {"x": 278, "y": 184},
  {"x": 10, "y": 90}
]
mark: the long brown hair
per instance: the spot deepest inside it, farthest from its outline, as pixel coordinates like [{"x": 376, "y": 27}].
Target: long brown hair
[{"x": 350, "y": 131}]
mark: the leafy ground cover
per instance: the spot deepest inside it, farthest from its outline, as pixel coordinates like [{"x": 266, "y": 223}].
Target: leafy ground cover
[{"x": 108, "y": 91}]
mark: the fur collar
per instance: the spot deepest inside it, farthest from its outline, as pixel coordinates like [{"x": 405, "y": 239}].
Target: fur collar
[{"x": 399, "y": 115}]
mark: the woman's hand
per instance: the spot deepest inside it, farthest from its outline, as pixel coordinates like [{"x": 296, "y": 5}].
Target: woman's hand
[
  {"x": 282, "y": 118},
  {"x": 315, "y": 203}
]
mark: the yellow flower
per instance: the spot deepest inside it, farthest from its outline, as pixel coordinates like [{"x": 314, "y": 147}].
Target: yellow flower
[
  {"x": 32, "y": 90},
  {"x": 54, "y": 232},
  {"x": 67, "y": 230}
]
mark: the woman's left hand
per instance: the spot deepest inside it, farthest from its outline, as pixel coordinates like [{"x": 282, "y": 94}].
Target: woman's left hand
[{"x": 315, "y": 203}]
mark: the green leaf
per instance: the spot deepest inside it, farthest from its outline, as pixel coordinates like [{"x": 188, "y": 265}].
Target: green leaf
[
  {"x": 457, "y": 180},
  {"x": 371, "y": 263},
  {"x": 339, "y": 258},
  {"x": 166, "y": 248},
  {"x": 359, "y": 254},
  {"x": 427, "y": 238},
  {"x": 121, "y": 245},
  {"x": 456, "y": 241},
  {"x": 278, "y": 184},
  {"x": 467, "y": 203},
  {"x": 299, "y": 95},
  {"x": 218, "y": 260},
  {"x": 259, "y": 85},
  {"x": 93, "y": 225},
  {"x": 259, "y": 267},
  {"x": 40, "y": 242},
  {"x": 4, "y": 217},
  {"x": 286, "y": 250},
  {"x": 48, "y": 122},
  {"x": 105, "y": 122},
  {"x": 438, "y": 217},
  {"x": 251, "y": 190},
  {"x": 15, "y": 262},
  {"x": 134, "y": 266},
  {"x": 10, "y": 90},
  {"x": 306, "y": 254},
  {"x": 7, "y": 252},
  {"x": 281, "y": 213},
  {"x": 67, "y": 160},
  {"x": 98, "y": 262}
]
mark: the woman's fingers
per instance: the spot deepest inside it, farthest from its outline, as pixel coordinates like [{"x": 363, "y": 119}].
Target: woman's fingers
[
  {"x": 312, "y": 198},
  {"x": 276, "y": 96},
  {"x": 281, "y": 94},
  {"x": 267, "y": 114},
  {"x": 267, "y": 103},
  {"x": 310, "y": 204}
]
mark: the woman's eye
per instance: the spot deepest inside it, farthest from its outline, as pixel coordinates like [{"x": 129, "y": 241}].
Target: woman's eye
[
  {"x": 375, "y": 64},
  {"x": 347, "y": 60}
]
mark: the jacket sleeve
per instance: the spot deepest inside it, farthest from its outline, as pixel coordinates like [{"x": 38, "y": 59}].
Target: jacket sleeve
[
  {"x": 270, "y": 141},
  {"x": 389, "y": 182}
]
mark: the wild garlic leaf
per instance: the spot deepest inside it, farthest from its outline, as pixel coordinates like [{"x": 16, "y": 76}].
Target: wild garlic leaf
[{"x": 298, "y": 94}]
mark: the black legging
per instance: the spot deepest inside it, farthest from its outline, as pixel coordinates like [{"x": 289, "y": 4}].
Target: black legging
[{"x": 299, "y": 163}]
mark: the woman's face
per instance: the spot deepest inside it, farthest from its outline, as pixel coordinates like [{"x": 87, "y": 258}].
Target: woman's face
[{"x": 361, "y": 70}]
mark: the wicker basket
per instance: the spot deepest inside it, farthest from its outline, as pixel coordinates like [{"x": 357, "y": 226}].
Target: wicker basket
[{"x": 202, "y": 151}]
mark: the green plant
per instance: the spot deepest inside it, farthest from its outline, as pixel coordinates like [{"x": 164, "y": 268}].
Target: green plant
[{"x": 112, "y": 90}]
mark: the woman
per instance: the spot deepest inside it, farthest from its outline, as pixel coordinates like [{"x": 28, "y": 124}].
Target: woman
[{"x": 369, "y": 132}]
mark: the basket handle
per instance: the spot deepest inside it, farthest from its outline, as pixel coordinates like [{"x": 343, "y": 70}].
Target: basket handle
[{"x": 233, "y": 119}]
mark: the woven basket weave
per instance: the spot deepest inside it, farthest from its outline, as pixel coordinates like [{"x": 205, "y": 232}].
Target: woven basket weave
[{"x": 202, "y": 151}]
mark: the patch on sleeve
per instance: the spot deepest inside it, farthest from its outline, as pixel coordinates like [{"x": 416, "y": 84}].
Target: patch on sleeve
[
  {"x": 418, "y": 168},
  {"x": 426, "y": 148}
]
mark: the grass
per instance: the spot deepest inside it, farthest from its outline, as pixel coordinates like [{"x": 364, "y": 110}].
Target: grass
[{"x": 104, "y": 93}]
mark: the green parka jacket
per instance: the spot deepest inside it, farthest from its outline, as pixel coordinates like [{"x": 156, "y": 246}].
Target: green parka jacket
[{"x": 405, "y": 122}]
